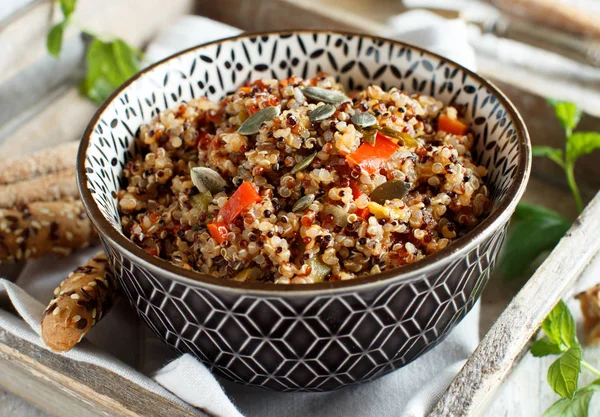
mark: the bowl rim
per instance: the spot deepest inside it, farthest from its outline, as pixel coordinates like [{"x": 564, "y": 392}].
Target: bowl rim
[{"x": 406, "y": 273}]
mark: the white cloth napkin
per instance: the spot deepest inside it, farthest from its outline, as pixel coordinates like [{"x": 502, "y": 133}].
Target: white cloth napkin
[{"x": 409, "y": 392}]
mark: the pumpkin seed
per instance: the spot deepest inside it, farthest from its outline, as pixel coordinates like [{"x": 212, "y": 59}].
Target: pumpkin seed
[
  {"x": 304, "y": 202},
  {"x": 389, "y": 191},
  {"x": 305, "y": 163},
  {"x": 321, "y": 113},
  {"x": 248, "y": 275},
  {"x": 363, "y": 119},
  {"x": 407, "y": 139},
  {"x": 318, "y": 269},
  {"x": 206, "y": 179},
  {"x": 201, "y": 201},
  {"x": 324, "y": 95},
  {"x": 369, "y": 136},
  {"x": 253, "y": 123},
  {"x": 340, "y": 217}
]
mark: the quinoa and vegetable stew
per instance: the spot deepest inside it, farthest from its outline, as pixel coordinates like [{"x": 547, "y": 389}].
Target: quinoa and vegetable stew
[{"x": 298, "y": 181}]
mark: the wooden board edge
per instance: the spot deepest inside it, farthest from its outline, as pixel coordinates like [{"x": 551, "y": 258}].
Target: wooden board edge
[
  {"x": 473, "y": 387},
  {"x": 54, "y": 384}
]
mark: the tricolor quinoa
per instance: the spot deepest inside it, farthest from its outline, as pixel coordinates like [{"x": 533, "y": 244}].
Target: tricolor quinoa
[{"x": 293, "y": 203}]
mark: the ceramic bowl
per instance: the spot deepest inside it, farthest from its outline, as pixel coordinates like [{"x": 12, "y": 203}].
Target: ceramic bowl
[{"x": 304, "y": 337}]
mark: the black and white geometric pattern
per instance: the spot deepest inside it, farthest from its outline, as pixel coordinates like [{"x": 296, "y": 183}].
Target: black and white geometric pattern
[
  {"x": 309, "y": 343},
  {"x": 290, "y": 341}
]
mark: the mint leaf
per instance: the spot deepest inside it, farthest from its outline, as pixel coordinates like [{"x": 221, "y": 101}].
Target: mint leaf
[
  {"x": 126, "y": 57},
  {"x": 576, "y": 407},
  {"x": 545, "y": 347},
  {"x": 563, "y": 374},
  {"x": 55, "y": 38},
  {"x": 526, "y": 211},
  {"x": 567, "y": 113},
  {"x": 534, "y": 230},
  {"x": 109, "y": 64},
  {"x": 99, "y": 90},
  {"x": 67, "y": 7},
  {"x": 559, "y": 326},
  {"x": 554, "y": 154},
  {"x": 582, "y": 143}
]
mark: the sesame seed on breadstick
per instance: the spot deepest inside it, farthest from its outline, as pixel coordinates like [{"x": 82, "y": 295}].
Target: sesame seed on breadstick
[
  {"x": 52, "y": 187},
  {"x": 79, "y": 302},
  {"x": 44, "y": 162},
  {"x": 33, "y": 230}
]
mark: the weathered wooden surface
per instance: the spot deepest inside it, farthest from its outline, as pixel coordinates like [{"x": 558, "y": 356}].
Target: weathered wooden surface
[
  {"x": 63, "y": 387},
  {"x": 495, "y": 356},
  {"x": 47, "y": 123}
]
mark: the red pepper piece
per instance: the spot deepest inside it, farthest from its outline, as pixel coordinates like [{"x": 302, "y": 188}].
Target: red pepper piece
[
  {"x": 239, "y": 201},
  {"x": 371, "y": 157},
  {"x": 363, "y": 212},
  {"x": 453, "y": 126}
]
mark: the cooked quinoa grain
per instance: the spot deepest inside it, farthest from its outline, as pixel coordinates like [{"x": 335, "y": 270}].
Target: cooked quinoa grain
[{"x": 312, "y": 196}]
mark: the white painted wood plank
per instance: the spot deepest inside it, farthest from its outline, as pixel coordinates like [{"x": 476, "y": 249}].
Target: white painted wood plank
[
  {"x": 62, "y": 120},
  {"x": 8, "y": 8},
  {"x": 473, "y": 388}
]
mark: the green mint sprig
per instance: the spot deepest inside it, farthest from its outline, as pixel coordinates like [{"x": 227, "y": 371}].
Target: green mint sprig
[
  {"x": 109, "y": 63},
  {"x": 577, "y": 144},
  {"x": 535, "y": 229},
  {"x": 563, "y": 374},
  {"x": 55, "y": 36}
]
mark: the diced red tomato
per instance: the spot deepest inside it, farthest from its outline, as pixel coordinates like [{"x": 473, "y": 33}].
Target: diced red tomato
[{"x": 371, "y": 157}]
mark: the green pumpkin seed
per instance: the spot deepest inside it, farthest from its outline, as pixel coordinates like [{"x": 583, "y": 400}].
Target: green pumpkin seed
[
  {"x": 340, "y": 217},
  {"x": 363, "y": 119},
  {"x": 318, "y": 269},
  {"x": 389, "y": 191},
  {"x": 201, "y": 201},
  {"x": 321, "y": 113},
  {"x": 407, "y": 139},
  {"x": 206, "y": 179},
  {"x": 304, "y": 202},
  {"x": 253, "y": 123},
  {"x": 248, "y": 275},
  {"x": 305, "y": 163},
  {"x": 324, "y": 95},
  {"x": 369, "y": 136}
]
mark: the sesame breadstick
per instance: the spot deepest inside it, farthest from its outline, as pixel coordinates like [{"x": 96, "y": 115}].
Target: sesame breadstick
[
  {"x": 33, "y": 230},
  {"x": 53, "y": 187},
  {"x": 80, "y": 301},
  {"x": 44, "y": 162}
]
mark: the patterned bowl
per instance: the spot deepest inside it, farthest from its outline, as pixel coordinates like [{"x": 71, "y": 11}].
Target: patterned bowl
[{"x": 315, "y": 337}]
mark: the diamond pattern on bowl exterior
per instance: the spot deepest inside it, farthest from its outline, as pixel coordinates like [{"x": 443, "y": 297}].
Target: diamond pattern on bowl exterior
[
  {"x": 295, "y": 341},
  {"x": 315, "y": 343}
]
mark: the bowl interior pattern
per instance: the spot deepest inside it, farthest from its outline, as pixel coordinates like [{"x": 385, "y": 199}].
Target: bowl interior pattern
[
  {"x": 302, "y": 341},
  {"x": 219, "y": 69}
]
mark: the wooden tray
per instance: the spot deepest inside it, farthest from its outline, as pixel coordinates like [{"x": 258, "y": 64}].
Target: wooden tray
[{"x": 54, "y": 383}]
